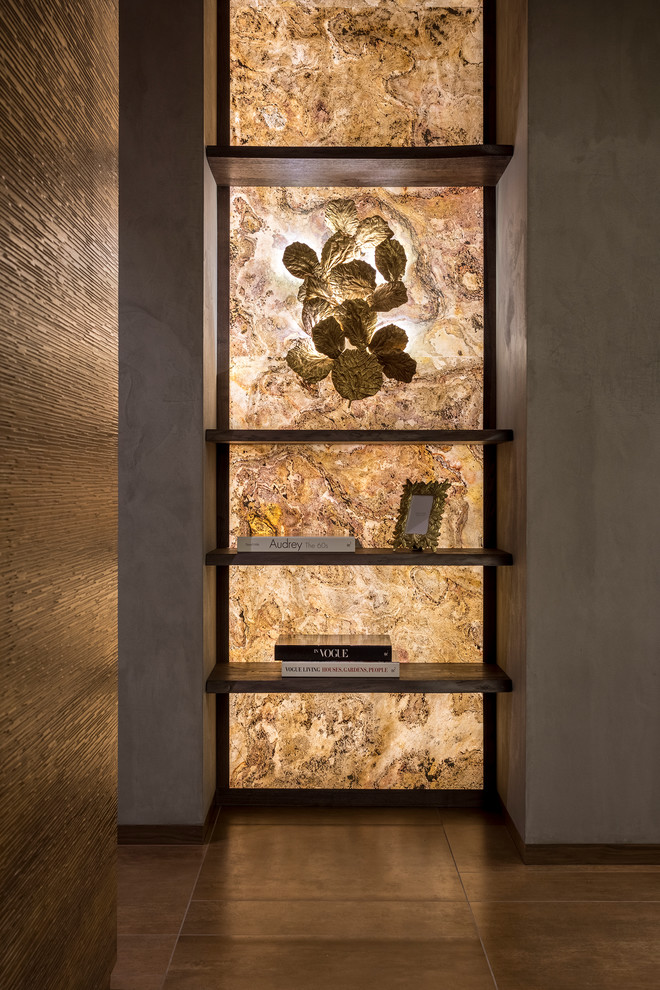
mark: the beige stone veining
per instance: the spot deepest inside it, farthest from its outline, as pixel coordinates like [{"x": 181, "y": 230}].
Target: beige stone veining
[
  {"x": 442, "y": 233},
  {"x": 356, "y": 72},
  {"x": 398, "y": 741},
  {"x": 350, "y": 490},
  {"x": 433, "y": 614}
]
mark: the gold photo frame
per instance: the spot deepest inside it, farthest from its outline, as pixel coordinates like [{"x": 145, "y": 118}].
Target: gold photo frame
[{"x": 422, "y": 505}]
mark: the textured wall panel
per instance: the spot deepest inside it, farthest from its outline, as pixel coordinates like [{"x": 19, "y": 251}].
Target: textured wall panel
[
  {"x": 356, "y": 72},
  {"x": 58, "y": 260},
  {"x": 341, "y": 490},
  {"x": 442, "y": 233}
]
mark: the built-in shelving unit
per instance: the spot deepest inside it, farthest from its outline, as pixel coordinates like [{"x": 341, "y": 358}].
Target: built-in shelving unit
[{"x": 278, "y": 166}]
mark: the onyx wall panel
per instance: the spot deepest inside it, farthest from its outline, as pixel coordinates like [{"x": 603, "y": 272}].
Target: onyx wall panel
[
  {"x": 58, "y": 381},
  {"x": 355, "y": 72}
]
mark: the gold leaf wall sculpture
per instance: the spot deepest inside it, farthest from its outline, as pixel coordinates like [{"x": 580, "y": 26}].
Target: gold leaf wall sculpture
[
  {"x": 355, "y": 72},
  {"x": 356, "y": 357},
  {"x": 440, "y": 231}
]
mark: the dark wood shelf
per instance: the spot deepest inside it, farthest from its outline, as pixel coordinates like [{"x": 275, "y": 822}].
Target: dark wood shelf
[
  {"x": 470, "y": 165},
  {"x": 360, "y": 436},
  {"x": 455, "y": 556},
  {"x": 418, "y": 678}
]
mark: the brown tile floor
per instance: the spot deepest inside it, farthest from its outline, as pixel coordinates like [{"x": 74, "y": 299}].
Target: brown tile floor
[{"x": 378, "y": 899}]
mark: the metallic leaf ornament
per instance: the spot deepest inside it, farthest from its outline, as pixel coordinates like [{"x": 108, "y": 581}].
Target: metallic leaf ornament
[
  {"x": 391, "y": 260},
  {"x": 300, "y": 260},
  {"x": 310, "y": 366},
  {"x": 357, "y": 375},
  {"x": 341, "y": 301},
  {"x": 358, "y": 321},
  {"x": 389, "y": 338},
  {"x": 354, "y": 280},
  {"x": 341, "y": 216},
  {"x": 328, "y": 337},
  {"x": 388, "y": 296}
]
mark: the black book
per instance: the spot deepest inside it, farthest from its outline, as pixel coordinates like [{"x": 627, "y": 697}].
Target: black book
[{"x": 334, "y": 648}]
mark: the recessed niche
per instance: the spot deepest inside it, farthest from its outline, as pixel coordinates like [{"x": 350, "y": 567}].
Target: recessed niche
[
  {"x": 350, "y": 490},
  {"x": 442, "y": 234},
  {"x": 356, "y": 73}
]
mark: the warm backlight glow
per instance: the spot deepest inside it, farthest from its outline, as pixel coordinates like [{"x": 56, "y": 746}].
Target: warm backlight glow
[
  {"x": 432, "y": 614},
  {"x": 442, "y": 233},
  {"x": 400, "y": 741},
  {"x": 350, "y": 490},
  {"x": 356, "y": 72}
]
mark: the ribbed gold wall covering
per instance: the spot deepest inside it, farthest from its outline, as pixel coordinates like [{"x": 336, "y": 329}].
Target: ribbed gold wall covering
[
  {"x": 356, "y": 72},
  {"x": 58, "y": 379}
]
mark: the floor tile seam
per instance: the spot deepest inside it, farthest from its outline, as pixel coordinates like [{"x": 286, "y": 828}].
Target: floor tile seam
[
  {"x": 581, "y": 901},
  {"x": 474, "y": 920},
  {"x": 472, "y": 939},
  {"x": 192, "y": 891},
  {"x": 330, "y": 900},
  {"x": 146, "y": 934},
  {"x": 532, "y": 870},
  {"x": 369, "y": 939},
  {"x": 327, "y": 900}
]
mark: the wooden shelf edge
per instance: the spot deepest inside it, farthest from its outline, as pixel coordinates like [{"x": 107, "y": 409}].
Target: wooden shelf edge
[
  {"x": 353, "y": 797},
  {"x": 477, "y": 437},
  {"x": 416, "y": 678},
  {"x": 453, "y": 557},
  {"x": 469, "y": 165}
]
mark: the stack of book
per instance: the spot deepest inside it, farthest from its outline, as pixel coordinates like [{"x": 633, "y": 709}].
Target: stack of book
[{"x": 334, "y": 655}]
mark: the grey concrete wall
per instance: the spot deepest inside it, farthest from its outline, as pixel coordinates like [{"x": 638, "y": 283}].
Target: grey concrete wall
[
  {"x": 167, "y": 271},
  {"x": 511, "y": 400},
  {"x": 593, "y": 472}
]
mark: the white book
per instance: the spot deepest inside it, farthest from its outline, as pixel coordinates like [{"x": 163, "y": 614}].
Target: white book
[
  {"x": 368, "y": 668},
  {"x": 295, "y": 544}
]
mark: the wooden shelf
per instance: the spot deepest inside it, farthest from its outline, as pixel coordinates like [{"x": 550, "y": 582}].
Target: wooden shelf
[
  {"x": 360, "y": 436},
  {"x": 418, "y": 678},
  {"x": 454, "y": 557},
  {"x": 470, "y": 165}
]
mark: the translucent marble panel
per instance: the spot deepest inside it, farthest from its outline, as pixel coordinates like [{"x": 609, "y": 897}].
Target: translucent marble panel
[
  {"x": 442, "y": 233},
  {"x": 350, "y": 490},
  {"x": 433, "y": 614},
  {"x": 398, "y": 741},
  {"x": 356, "y": 72}
]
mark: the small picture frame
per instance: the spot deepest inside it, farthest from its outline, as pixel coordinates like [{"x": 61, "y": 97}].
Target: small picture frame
[{"x": 420, "y": 515}]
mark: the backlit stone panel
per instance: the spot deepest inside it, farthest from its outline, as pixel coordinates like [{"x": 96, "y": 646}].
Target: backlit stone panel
[
  {"x": 442, "y": 234},
  {"x": 432, "y": 614},
  {"x": 338, "y": 73},
  {"x": 393, "y": 741},
  {"x": 350, "y": 490}
]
